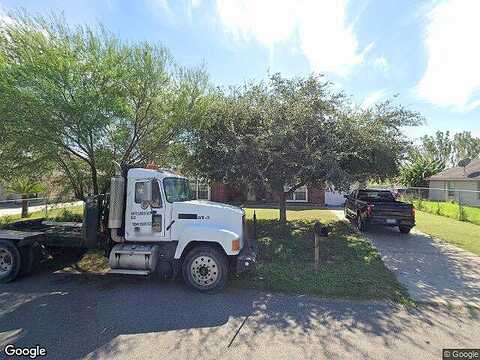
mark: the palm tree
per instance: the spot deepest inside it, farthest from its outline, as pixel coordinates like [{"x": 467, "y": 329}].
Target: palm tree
[{"x": 24, "y": 187}]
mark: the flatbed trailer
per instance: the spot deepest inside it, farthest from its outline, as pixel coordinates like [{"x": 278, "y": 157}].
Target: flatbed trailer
[
  {"x": 48, "y": 233},
  {"x": 25, "y": 243}
]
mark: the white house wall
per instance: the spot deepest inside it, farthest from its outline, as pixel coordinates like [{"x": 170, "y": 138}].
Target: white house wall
[
  {"x": 466, "y": 197},
  {"x": 334, "y": 198},
  {"x": 434, "y": 193}
]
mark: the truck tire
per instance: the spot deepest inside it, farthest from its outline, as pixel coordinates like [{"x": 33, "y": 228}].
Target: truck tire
[
  {"x": 10, "y": 261},
  {"x": 404, "y": 229},
  {"x": 205, "y": 269}
]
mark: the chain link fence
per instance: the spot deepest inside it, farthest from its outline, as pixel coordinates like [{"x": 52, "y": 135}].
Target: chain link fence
[
  {"x": 463, "y": 205},
  {"x": 42, "y": 206}
]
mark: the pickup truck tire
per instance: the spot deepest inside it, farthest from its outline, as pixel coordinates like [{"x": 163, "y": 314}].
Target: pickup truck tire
[
  {"x": 10, "y": 261},
  {"x": 205, "y": 269},
  {"x": 404, "y": 229},
  {"x": 360, "y": 223}
]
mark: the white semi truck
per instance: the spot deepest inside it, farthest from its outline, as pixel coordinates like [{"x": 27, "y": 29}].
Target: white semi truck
[{"x": 148, "y": 224}]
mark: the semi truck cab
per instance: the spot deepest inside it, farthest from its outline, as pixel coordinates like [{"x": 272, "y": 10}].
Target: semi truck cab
[{"x": 155, "y": 226}]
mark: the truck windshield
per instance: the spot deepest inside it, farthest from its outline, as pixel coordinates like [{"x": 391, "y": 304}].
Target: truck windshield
[
  {"x": 177, "y": 189},
  {"x": 375, "y": 195}
]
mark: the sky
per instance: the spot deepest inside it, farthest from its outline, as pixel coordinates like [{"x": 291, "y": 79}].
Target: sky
[{"x": 425, "y": 53}]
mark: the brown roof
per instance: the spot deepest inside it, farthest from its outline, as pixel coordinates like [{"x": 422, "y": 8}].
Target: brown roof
[{"x": 470, "y": 172}]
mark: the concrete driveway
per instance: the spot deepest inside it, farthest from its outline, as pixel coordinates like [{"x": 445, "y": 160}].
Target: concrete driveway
[
  {"x": 433, "y": 271},
  {"x": 117, "y": 317}
]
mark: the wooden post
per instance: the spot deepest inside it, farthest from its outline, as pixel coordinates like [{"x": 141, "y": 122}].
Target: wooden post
[
  {"x": 319, "y": 231},
  {"x": 254, "y": 226}
]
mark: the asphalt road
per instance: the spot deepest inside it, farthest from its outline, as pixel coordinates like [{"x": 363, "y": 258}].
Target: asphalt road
[{"x": 120, "y": 317}]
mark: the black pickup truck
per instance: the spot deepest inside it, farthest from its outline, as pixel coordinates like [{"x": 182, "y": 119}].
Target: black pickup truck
[{"x": 378, "y": 207}]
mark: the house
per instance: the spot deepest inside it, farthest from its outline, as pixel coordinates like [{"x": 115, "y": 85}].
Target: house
[
  {"x": 460, "y": 184},
  {"x": 308, "y": 195}
]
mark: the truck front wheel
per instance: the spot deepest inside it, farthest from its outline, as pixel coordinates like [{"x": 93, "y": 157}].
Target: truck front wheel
[
  {"x": 205, "y": 268},
  {"x": 361, "y": 223},
  {"x": 404, "y": 229},
  {"x": 10, "y": 261}
]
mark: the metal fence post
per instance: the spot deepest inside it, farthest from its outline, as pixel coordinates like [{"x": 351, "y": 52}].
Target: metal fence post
[{"x": 460, "y": 207}]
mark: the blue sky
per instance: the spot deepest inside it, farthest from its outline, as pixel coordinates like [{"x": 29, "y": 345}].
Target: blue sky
[{"x": 425, "y": 51}]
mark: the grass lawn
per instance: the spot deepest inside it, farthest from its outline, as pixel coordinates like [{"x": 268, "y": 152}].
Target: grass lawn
[
  {"x": 292, "y": 214},
  {"x": 449, "y": 209},
  {"x": 462, "y": 234},
  {"x": 350, "y": 267}
]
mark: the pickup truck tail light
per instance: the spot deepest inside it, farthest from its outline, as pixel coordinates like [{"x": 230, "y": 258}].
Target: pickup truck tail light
[
  {"x": 370, "y": 209},
  {"x": 413, "y": 211}
]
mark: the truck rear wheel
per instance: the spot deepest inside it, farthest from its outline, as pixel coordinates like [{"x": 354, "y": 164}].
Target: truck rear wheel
[
  {"x": 205, "y": 268},
  {"x": 10, "y": 261},
  {"x": 404, "y": 229}
]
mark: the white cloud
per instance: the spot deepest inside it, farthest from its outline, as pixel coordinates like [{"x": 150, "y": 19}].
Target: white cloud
[
  {"x": 162, "y": 7},
  {"x": 381, "y": 63},
  {"x": 4, "y": 18},
  {"x": 319, "y": 27},
  {"x": 373, "y": 98},
  {"x": 452, "y": 75},
  {"x": 196, "y": 3}
]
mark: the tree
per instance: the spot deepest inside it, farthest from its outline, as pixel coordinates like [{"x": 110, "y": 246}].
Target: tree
[
  {"x": 438, "y": 148},
  {"x": 81, "y": 98},
  {"x": 416, "y": 172},
  {"x": 465, "y": 146},
  {"x": 286, "y": 133},
  {"x": 24, "y": 186}
]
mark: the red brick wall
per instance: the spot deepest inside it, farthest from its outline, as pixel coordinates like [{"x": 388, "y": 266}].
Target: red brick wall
[
  {"x": 223, "y": 193},
  {"x": 219, "y": 192},
  {"x": 316, "y": 196}
]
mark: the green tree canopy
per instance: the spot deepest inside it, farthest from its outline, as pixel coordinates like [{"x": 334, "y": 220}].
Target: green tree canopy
[
  {"x": 286, "y": 133},
  {"x": 79, "y": 98}
]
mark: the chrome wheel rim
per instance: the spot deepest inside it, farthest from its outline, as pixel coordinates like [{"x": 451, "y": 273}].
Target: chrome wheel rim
[
  {"x": 204, "y": 270},
  {"x": 6, "y": 262}
]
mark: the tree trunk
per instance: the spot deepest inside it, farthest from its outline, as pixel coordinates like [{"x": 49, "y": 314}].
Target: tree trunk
[
  {"x": 282, "y": 207},
  {"x": 94, "y": 178},
  {"x": 24, "y": 206}
]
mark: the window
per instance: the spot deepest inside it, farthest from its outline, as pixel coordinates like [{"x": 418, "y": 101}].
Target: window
[
  {"x": 371, "y": 195},
  {"x": 156, "y": 196},
  {"x": 451, "y": 189},
  {"x": 139, "y": 192},
  {"x": 200, "y": 190},
  {"x": 299, "y": 195},
  {"x": 177, "y": 189}
]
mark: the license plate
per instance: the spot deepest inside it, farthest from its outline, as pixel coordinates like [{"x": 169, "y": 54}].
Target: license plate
[{"x": 391, "y": 221}]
